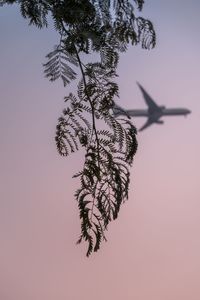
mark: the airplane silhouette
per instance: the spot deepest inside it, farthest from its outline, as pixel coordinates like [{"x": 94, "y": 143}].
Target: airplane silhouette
[{"x": 153, "y": 113}]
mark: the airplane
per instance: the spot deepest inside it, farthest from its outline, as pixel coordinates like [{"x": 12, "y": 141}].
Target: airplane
[{"x": 153, "y": 113}]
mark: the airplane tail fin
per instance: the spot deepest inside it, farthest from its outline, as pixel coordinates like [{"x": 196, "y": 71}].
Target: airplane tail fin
[{"x": 118, "y": 110}]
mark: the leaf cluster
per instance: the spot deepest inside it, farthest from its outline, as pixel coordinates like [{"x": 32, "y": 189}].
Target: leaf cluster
[
  {"x": 109, "y": 152},
  {"x": 105, "y": 27}
]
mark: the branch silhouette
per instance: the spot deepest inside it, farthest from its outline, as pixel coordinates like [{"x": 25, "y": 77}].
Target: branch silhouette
[{"x": 106, "y": 28}]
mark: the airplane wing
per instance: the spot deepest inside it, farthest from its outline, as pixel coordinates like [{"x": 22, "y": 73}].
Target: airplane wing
[
  {"x": 149, "y": 101},
  {"x": 147, "y": 124}
]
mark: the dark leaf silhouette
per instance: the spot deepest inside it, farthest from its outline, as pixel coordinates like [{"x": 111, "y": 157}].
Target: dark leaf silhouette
[{"x": 105, "y": 28}]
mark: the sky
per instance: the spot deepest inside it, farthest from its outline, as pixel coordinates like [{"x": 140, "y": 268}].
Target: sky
[{"x": 153, "y": 247}]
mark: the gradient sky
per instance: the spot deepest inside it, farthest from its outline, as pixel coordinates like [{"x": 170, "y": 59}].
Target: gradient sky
[{"x": 153, "y": 248}]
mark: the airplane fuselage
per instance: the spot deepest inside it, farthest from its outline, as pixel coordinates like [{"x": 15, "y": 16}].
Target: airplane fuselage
[
  {"x": 137, "y": 112},
  {"x": 175, "y": 111},
  {"x": 162, "y": 112}
]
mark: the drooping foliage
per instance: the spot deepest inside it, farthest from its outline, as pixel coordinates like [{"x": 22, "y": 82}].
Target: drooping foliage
[{"x": 104, "y": 27}]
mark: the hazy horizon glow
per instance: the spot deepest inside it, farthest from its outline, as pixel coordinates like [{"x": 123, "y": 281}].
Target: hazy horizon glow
[{"x": 153, "y": 248}]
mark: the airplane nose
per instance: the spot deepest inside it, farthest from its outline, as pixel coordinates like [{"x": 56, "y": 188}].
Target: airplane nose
[{"x": 187, "y": 112}]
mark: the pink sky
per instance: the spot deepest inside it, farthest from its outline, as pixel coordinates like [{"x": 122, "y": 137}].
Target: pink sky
[{"x": 153, "y": 248}]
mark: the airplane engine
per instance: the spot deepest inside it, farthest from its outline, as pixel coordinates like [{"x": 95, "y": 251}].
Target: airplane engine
[
  {"x": 162, "y": 107},
  {"x": 160, "y": 122}
]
